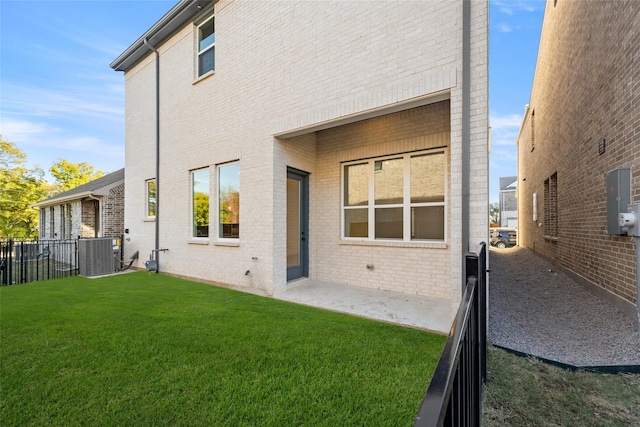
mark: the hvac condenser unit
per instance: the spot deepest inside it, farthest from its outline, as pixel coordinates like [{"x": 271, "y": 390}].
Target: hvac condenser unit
[{"x": 97, "y": 256}]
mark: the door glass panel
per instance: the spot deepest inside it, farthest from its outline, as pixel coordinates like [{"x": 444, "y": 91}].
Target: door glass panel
[
  {"x": 293, "y": 222},
  {"x": 388, "y": 181},
  {"x": 388, "y": 223},
  {"x": 427, "y": 223}
]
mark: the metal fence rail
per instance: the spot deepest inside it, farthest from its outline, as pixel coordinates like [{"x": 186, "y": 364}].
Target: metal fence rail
[
  {"x": 23, "y": 261},
  {"x": 454, "y": 396}
]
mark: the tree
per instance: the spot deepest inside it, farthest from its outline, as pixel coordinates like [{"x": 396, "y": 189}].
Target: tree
[
  {"x": 19, "y": 188},
  {"x": 494, "y": 213},
  {"x": 71, "y": 175}
]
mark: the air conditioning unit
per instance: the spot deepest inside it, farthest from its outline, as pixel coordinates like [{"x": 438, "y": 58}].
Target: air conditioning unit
[{"x": 96, "y": 257}]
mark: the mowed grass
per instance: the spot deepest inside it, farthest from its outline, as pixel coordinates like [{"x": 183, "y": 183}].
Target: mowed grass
[
  {"x": 141, "y": 350},
  {"x": 527, "y": 392}
]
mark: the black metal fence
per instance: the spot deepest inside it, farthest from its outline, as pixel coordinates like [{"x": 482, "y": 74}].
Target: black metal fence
[
  {"x": 454, "y": 396},
  {"x": 30, "y": 261}
]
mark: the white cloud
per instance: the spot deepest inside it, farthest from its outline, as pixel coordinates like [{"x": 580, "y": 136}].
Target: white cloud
[
  {"x": 503, "y": 28},
  {"x": 80, "y": 101},
  {"x": 505, "y": 122},
  {"x": 511, "y": 7},
  {"x": 23, "y": 130}
]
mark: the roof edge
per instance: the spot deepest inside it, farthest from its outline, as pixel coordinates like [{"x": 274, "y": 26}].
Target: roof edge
[{"x": 172, "y": 21}]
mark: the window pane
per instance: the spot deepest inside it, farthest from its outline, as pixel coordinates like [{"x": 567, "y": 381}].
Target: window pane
[
  {"x": 200, "y": 203},
  {"x": 356, "y": 223},
  {"x": 427, "y": 178},
  {"x": 229, "y": 199},
  {"x": 293, "y": 222},
  {"x": 206, "y": 35},
  {"x": 356, "y": 185},
  {"x": 151, "y": 198},
  {"x": 389, "y": 223},
  {"x": 206, "y": 61},
  {"x": 427, "y": 223},
  {"x": 388, "y": 181}
]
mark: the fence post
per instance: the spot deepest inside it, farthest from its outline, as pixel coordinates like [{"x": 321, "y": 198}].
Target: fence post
[{"x": 454, "y": 396}]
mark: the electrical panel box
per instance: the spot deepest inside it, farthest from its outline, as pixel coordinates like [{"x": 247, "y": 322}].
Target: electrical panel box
[{"x": 618, "y": 198}]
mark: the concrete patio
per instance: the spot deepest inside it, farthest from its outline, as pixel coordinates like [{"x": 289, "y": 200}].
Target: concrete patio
[{"x": 393, "y": 307}]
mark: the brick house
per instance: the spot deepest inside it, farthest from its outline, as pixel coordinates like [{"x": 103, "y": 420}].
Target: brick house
[
  {"x": 582, "y": 123},
  {"x": 268, "y": 143},
  {"x": 94, "y": 209}
]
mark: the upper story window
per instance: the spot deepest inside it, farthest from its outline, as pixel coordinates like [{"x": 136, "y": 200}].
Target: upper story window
[
  {"x": 400, "y": 197},
  {"x": 206, "y": 47}
]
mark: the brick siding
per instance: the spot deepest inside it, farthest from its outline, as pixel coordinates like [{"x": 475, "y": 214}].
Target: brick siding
[
  {"x": 586, "y": 88},
  {"x": 286, "y": 66}
]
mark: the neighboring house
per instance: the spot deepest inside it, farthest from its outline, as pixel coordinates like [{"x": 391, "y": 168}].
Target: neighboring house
[
  {"x": 94, "y": 209},
  {"x": 583, "y": 122},
  {"x": 328, "y": 140},
  {"x": 508, "y": 202}
]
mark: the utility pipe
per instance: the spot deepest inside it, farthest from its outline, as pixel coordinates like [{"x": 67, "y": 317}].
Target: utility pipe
[
  {"x": 157, "y": 231},
  {"x": 466, "y": 132}
]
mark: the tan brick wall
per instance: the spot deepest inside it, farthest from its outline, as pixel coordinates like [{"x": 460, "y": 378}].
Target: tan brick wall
[
  {"x": 287, "y": 66},
  {"x": 586, "y": 88}
]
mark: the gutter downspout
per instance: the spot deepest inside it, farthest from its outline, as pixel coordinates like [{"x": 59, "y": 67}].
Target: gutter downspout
[
  {"x": 157, "y": 231},
  {"x": 466, "y": 132}
]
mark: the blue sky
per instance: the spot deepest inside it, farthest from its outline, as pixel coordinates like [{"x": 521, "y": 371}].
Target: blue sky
[{"x": 60, "y": 99}]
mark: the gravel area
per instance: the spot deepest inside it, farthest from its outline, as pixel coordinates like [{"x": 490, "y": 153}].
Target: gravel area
[{"x": 536, "y": 309}]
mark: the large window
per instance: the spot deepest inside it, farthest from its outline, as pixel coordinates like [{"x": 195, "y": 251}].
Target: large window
[
  {"x": 206, "y": 47},
  {"x": 69, "y": 227},
  {"x": 200, "y": 202},
  {"x": 43, "y": 225},
  {"x": 229, "y": 201},
  {"x": 399, "y": 197},
  {"x": 63, "y": 223},
  {"x": 151, "y": 198},
  {"x": 52, "y": 222}
]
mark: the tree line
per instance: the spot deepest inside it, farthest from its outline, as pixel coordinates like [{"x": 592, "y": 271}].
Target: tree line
[{"x": 22, "y": 186}]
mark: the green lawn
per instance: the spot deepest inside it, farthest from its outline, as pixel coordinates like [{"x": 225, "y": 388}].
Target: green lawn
[{"x": 140, "y": 349}]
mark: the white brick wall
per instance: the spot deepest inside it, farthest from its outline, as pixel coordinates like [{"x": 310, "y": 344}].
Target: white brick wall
[{"x": 287, "y": 66}]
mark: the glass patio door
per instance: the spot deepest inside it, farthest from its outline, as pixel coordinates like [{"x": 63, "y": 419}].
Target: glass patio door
[{"x": 297, "y": 224}]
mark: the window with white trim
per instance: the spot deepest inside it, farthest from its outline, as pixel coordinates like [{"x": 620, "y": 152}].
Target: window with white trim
[
  {"x": 43, "y": 225},
  {"x": 68, "y": 231},
  {"x": 229, "y": 201},
  {"x": 206, "y": 47},
  {"x": 399, "y": 197},
  {"x": 150, "y": 186},
  {"x": 52, "y": 222},
  {"x": 200, "y": 202}
]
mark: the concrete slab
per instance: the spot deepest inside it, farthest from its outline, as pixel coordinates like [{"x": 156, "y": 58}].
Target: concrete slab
[{"x": 408, "y": 310}]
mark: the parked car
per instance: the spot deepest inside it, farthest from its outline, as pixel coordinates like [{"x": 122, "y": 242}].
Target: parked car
[{"x": 501, "y": 238}]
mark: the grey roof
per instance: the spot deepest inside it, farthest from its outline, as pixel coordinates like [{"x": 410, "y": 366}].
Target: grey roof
[
  {"x": 184, "y": 11},
  {"x": 508, "y": 183},
  {"x": 108, "y": 180}
]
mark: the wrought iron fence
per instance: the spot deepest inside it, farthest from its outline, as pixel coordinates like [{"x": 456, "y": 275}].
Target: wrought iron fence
[
  {"x": 23, "y": 261},
  {"x": 454, "y": 396}
]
